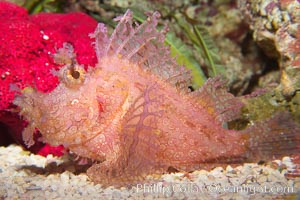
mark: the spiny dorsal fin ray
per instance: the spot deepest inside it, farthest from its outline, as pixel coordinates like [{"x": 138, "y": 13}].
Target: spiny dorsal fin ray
[
  {"x": 214, "y": 97},
  {"x": 143, "y": 45},
  {"x": 101, "y": 40}
]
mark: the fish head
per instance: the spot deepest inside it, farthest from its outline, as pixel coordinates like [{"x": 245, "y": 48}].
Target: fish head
[{"x": 83, "y": 106}]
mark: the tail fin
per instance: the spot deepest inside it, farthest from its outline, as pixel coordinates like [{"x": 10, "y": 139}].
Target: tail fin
[{"x": 274, "y": 138}]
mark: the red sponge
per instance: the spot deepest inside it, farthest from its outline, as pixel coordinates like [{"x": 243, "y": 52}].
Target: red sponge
[{"x": 27, "y": 44}]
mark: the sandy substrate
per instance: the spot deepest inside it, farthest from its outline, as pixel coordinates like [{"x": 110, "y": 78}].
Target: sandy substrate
[{"x": 27, "y": 176}]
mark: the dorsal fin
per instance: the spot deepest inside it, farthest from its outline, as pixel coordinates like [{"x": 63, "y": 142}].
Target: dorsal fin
[
  {"x": 143, "y": 45},
  {"x": 213, "y": 97},
  {"x": 101, "y": 40}
]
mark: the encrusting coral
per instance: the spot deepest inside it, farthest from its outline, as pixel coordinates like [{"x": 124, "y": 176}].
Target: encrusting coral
[
  {"x": 276, "y": 29},
  {"x": 28, "y": 43},
  {"x": 134, "y": 114}
]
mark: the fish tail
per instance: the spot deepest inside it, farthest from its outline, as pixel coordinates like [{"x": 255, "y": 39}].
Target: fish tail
[{"x": 273, "y": 138}]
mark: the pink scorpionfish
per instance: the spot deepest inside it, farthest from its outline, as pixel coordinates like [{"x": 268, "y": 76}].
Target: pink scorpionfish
[{"x": 134, "y": 115}]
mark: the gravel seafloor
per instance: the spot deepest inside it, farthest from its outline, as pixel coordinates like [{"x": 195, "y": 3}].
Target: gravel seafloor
[{"x": 28, "y": 176}]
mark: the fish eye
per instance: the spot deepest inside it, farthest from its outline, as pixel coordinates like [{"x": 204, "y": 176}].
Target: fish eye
[{"x": 73, "y": 75}]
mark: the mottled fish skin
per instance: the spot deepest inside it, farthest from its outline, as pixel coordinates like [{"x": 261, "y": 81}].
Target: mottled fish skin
[{"x": 133, "y": 112}]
